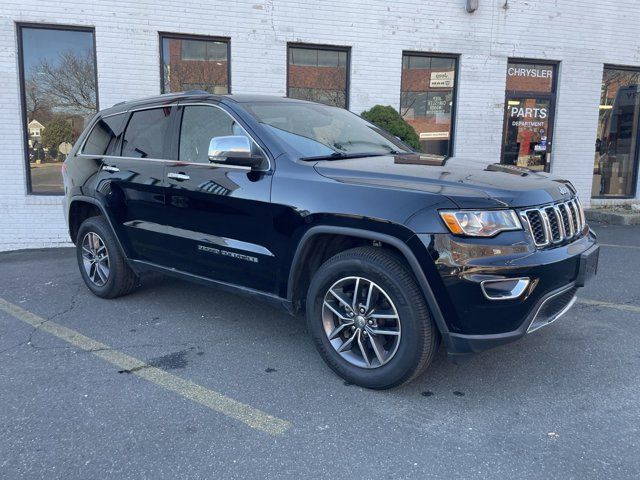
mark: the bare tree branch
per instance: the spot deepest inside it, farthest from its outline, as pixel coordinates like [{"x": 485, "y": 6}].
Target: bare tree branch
[{"x": 68, "y": 83}]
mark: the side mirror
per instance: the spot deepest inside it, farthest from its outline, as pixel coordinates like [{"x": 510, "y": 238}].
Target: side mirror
[{"x": 234, "y": 150}]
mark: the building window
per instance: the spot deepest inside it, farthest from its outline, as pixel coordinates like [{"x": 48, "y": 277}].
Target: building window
[
  {"x": 528, "y": 116},
  {"x": 195, "y": 63},
  {"x": 616, "y": 159},
  {"x": 427, "y": 99},
  {"x": 58, "y": 87},
  {"x": 318, "y": 74}
]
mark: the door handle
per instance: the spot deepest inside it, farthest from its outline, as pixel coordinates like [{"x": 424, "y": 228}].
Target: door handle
[
  {"x": 178, "y": 176},
  {"x": 110, "y": 168}
]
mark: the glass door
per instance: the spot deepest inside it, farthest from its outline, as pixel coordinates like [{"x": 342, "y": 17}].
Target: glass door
[
  {"x": 528, "y": 114},
  {"x": 527, "y": 132}
]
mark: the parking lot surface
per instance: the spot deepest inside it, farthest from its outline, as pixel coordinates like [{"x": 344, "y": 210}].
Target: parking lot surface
[{"x": 183, "y": 381}]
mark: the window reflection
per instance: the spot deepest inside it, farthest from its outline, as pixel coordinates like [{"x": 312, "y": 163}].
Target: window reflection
[
  {"x": 318, "y": 75},
  {"x": 59, "y": 91},
  {"x": 426, "y": 99},
  {"x": 195, "y": 64},
  {"x": 616, "y": 160}
]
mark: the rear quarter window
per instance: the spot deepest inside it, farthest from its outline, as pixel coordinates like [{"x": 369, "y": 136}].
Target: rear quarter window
[{"x": 104, "y": 136}]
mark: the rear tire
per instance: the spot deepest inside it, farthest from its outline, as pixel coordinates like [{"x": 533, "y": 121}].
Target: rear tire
[
  {"x": 102, "y": 264},
  {"x": 393, "y": 338}
]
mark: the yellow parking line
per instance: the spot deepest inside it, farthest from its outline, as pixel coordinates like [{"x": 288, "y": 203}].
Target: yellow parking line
[
  {"x": 618, "y": 246},
  {"x": 617, "y": 306},
  {"x": 252, "y": 417}
]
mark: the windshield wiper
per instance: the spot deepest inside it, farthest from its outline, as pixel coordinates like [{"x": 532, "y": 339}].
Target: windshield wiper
[{"x": 342, "y": 156}]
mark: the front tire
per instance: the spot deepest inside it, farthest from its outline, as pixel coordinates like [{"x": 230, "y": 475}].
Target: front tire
[
  {"x": 102, "y": 264},
  {"x": 369, "y": 320}
]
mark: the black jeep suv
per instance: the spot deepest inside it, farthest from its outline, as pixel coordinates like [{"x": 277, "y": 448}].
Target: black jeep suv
[{"x": 312, "y": 207}]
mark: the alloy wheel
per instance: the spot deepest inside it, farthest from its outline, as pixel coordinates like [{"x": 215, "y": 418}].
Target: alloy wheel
[
  {"x": 95, "y": 259},
  {"x": 361, "y": 322}
]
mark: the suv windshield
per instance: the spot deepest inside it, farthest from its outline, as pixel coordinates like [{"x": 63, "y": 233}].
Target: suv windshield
[{"x": 314, "y": 130}]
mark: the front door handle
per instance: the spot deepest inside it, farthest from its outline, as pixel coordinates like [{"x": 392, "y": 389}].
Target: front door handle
[
  {"x": 110, "y": 168},
  {"x": 178, "y": 176}
]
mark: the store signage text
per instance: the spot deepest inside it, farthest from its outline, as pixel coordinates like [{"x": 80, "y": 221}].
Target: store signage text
[
  {"x": 438, "y": 103},
  {"x": 434, "y": 135},
  {"x": 528, "y": 112},
  {"x": 441, "y": 79},
  {"x": 529, "y": 72}
]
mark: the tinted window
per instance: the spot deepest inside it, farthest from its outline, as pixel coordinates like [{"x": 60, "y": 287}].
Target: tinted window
[
  {"x": 145, "y": 133},
  {"x": 616, "y": 160},
  {"x": 58, "y": 88},
  {"x": 426, "y": 99},
  {"x": 194, "y": 64},
  {"x": 104, "y": 136},
  {"x": 199, "y": 125},
  {"x": 318, "y": 74}
]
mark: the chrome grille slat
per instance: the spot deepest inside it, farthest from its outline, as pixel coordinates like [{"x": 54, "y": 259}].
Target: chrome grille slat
[
  {"x": 570, "y": 216},
  {"x": 561, "y": 228},
  {"x": 574, "y": 214},
  {"x": 554, "y": 223}
]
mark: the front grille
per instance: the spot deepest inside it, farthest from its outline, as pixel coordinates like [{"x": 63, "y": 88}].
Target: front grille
[
  {"x": 552, "y": 308},
  {"x": 555, "y": 223}
]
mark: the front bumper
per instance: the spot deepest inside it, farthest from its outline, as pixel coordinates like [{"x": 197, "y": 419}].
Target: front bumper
[{"x": 475, "y": 322}]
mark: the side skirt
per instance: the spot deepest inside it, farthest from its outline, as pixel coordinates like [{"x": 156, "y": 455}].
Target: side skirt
[{"x": 142, "y": 266}]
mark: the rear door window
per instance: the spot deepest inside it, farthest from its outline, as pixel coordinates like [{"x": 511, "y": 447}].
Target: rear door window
[
  {"x": 146, "y": 134},
  {"x": 105, "y": 136}
]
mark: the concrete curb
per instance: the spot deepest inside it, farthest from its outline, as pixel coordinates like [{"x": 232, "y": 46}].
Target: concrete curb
[{"x": 611, "y": 217}]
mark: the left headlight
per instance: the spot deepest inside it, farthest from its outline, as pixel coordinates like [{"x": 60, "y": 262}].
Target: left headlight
[{"x": 480, "y": 223}]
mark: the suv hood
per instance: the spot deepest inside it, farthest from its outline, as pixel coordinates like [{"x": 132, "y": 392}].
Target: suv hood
[{"x": 496, "y": 186}]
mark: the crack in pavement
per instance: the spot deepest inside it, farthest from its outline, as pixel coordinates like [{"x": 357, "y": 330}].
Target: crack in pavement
[{"x": 29, "y": 339}]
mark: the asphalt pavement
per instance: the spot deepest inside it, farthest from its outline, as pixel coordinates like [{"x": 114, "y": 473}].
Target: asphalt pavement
[{"x": 183, "y": 381}]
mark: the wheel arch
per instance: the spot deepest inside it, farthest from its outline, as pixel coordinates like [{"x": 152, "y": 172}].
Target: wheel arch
[
  {"x": 82, "y": 207},
  {"x": 79, "y": 210},
  {"x": 295, "y": 288}
]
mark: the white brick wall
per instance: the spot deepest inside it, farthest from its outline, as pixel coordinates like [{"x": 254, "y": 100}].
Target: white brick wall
[{"x": 581, "y": 35}]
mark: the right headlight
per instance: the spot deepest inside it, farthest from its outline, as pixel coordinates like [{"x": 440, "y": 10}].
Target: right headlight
[{"x": 480, "y": 223}]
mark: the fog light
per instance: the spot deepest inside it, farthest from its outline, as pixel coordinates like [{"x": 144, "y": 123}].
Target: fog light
[{"x": 504, "y": 289}]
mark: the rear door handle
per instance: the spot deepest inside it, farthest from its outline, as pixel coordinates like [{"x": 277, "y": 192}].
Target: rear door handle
[
  {"x": 110, "y": 168},
  {"x": 178, "y": 176}
]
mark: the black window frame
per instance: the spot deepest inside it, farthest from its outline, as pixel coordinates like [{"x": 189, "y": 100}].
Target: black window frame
[
  {"x": 552, "y": 96},
  {"x": 188, "y": 36},
  {"x": 454, "y": 99},
  {"x": 23, "y": 98},
  {"x": 335, "y": 48}
]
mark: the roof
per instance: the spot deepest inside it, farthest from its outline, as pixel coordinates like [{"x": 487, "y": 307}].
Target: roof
[{"x": 198, "y": 95}]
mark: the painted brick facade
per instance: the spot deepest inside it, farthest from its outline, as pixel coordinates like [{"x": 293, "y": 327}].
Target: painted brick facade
[{"x": 582, "y": 36}]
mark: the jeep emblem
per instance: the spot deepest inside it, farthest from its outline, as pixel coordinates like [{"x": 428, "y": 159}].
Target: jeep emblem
[{"x": 563, "y": 190}]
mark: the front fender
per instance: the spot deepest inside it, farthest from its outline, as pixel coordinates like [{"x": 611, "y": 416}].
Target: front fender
[{"x": 405, "y": 243}]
